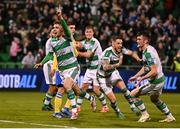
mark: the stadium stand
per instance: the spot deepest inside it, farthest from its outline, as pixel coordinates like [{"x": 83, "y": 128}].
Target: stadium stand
[{"x": 30, "y": 22}]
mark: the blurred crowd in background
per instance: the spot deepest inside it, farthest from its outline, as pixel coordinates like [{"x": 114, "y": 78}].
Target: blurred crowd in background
[{"x": 25, "y": 25}]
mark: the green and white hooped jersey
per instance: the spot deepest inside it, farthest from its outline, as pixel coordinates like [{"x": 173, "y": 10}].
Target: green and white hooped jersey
[
  {"x": 94, "y": 46},
  {"x": 64, "y": 52},
  {"x": 113, "y": 58},
  {"x": 151, "y": 57}
]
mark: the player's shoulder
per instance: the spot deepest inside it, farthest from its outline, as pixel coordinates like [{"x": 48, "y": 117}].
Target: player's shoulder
[
  {"x": 150, "y": 49},
  {"x": 48, "y": 42},
  {"x": 108, "y": 50},
  {"x": 95, "y": 40}
]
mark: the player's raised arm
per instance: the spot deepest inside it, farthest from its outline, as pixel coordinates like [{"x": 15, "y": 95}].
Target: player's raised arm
[{"x": 63, "y": 23}]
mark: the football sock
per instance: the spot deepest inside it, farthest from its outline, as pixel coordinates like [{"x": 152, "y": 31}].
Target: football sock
[
  {"x": 48, "y": 98},
  {"x": 141, "y": 106},
  {"x": 71, "y": 97},
  {"x": 115, "y": 107},
  {"x": 162, "y": 107},
  {"x": 58, "y": 102},
  {"x": 102, "y": 99},
  {"x": 127, "y": 96}
]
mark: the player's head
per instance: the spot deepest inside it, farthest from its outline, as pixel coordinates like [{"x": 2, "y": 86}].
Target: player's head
[
  {"x": 142, "y": 39},
  {"x": 89, "y": 32},
  {"x": 116, "y": 43},
  {"x": 72, "y": 27},
  {"x": 57, "y": 30}
]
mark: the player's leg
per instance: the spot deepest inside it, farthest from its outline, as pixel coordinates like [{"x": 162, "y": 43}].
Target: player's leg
[
  {"x": 118, "y": 81},
  {"x": 110, "y": 95},
  {"x": 155, "y": 94},
  {"x": 52, "y": 88},
  {"x": 47, "y": 100},
  {"x": 135, "y": 93},
  {"x": 80, "y": 98},
  {"x": 58, "y": 102},
  {"x": 163, "y": 108},
  {"x": 68, "y": 84},
  {"x": 120, "y": 84},
  {"x": 144, "y": 114},
  {"x": 101, "y": 98},
  {"x": 84, "y": 94}
]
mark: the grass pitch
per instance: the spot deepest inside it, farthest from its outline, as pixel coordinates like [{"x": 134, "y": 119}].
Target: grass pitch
[{"x": 23, "y": 110}]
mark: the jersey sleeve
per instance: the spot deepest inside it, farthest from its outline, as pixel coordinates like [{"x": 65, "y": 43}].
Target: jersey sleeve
[{"x": 65, "y": 28}]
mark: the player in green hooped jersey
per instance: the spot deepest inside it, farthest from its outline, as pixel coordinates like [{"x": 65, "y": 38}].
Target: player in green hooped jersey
[
  {"x": 109, "y": 77},
  {"x": 150, "y": 80},
  {"x": 67, "y": 63}
]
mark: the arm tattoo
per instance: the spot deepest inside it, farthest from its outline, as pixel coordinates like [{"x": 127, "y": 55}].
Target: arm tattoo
[{"x": 108, "y": 66}]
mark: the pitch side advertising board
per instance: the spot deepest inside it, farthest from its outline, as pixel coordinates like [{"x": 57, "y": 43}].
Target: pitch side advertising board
[{"x": 33, "y": 80}]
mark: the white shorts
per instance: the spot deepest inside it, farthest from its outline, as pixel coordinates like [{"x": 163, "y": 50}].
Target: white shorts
[
  {"x": 47, "y": 69},
  {"x": 151, "y": 89},
  {"x": 107, "y": 83},
  {"x": 90, "y": 77},
  {"x": 72, "y": 72}
]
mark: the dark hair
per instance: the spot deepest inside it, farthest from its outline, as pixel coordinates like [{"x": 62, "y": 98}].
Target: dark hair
[
  {"x": 89, "y": 27},
  {"x": 70, "y": 23},
  {"x": 144, "y": 34},
  {"x": 113, "y": 38},
  {"x": 56, "y": 22}
]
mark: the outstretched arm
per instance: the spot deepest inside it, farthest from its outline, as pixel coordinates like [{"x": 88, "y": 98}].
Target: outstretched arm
[
  {"x": 134, "y": 55},
  {"x": 48, "y": 57}
]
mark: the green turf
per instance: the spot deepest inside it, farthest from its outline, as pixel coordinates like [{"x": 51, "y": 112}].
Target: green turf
[{"x": 25, "y": 109}]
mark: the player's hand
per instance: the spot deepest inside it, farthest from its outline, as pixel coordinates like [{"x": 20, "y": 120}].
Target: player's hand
[
  {"x": 52, "y": 72},
  {"x": 37, "y": 65},
  {"x": 59, "y": 12}
]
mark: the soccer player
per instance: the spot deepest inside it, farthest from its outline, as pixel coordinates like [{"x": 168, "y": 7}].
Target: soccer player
[
  {"x": 94, "y": 49},
  {"x": 108, "y": 75},
  {"x": 50, "y": 80},
  {"x": 58, "y": 99},
  {"x": 67, "y": 63},
  {"x": 150, "y": 80}
]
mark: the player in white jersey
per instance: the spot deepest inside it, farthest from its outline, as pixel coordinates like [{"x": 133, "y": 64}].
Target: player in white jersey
[
  {"x": 150, "y": 80},
  {"x": 92, "y": 55},
  {"x": 67, "y": 62},
  {"x": 108, "y": 75},
  {"x": 50, "y": 81}
]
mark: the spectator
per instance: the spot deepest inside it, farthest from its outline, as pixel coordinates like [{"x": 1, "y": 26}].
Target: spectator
[
  {"x": 28, "y": 60},
  {"x": 109, "y": 17},
  {"x": 176, "y": 45},
  {"x": 15, "y": 49},
  {"x": 176, "y": 63}
]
